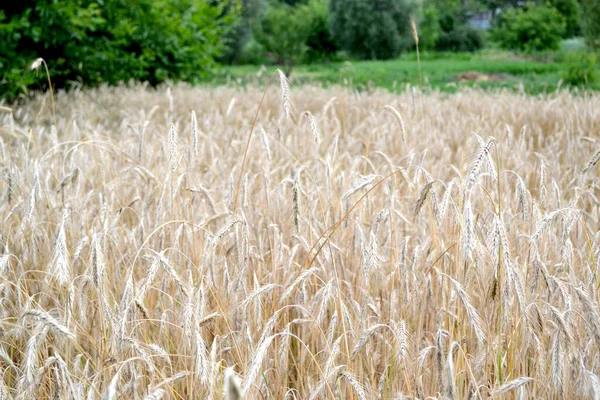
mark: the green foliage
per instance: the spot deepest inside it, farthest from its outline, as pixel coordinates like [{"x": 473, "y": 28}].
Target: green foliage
[
  {"x": 96, "y": 41},
  {"x": 240, "y": 37},
  {"x": 533, "y": 29},
  {"x": 429, "y": 27},
  {"x": 462, "y": 38},
  {"x": 452, "y": 14},
  {"x": 439, "y": 70},
  {"x": 321, "y": 46},
  {"x": 444, "y": 26},
  {"x": 569, "y": 9},
  {"x": 293, "y": 3},
  {"x": 287, "y": 34},
  {"x": 581, "y": 69},
  {"x": 590, "y": 21},
  {"x": 372, "y": 29},
  {"x": 283, "y": 32},
  {"x": 253, "y": 53}
]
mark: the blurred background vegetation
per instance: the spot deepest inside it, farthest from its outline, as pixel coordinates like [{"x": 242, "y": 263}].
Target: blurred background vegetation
[{"x": 89, "y": 42}]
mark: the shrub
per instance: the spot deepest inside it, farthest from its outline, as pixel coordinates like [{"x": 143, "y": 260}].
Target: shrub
[
  {"x": 535, "y": 28},
  {"x": 590, "y": 17},
  {"x": 114, "y": 41},
  {"x": 581, "y": 69},
  {"x": 463, "y": 38},
  {"x": 372, "y": 29}
]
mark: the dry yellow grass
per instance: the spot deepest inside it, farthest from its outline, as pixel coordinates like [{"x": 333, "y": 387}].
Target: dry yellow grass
[{"x": 345, "y": 261}]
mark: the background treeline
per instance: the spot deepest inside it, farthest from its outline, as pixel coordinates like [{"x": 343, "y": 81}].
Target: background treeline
[
  {"x": 381, "y": 29},
  {"x": 94, "y": 41}
]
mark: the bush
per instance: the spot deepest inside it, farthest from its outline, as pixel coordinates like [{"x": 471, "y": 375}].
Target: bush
[
  {"x": 590, "y": 17},
  {"x": 372, "y": 29},
  {"x": 581, "y": 69},
  {"x": 112, "y": 41},
  {"x": 463, "y": 38},
  {"x": 533, "y": 29}
]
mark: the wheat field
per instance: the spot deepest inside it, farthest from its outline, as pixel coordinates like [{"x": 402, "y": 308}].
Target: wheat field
[{"x": 369, "y": 246}]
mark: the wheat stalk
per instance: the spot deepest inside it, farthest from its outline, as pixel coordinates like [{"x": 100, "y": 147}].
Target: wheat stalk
[
  {"x": 122, "y": 277},
  {"x": 398, "y": 117},
  {"x": 285, "y": 94},
  {"x": 591, "y": 163},
  {"x": 313, "y": 126}
]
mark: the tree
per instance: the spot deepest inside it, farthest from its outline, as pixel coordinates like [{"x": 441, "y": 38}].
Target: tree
[
  {"x": 283, "y": 32},
  {"x": 111, "y": 41},
  {"x": 463, "y": 38},
  {"x": 372, "y": 29},
  {"x": 590, "y": 15},
  {"x": 532, "y": 29},
  {"x": 569, "y": 9},
  {"x": 495, "y": 5},
  {"x": 239, "y": 37},
  {"x": 444, "y": 25},
  {"x": 429, "y": 26},
  {"x": 293, "y": 2},
  {"x": 320, "y": 42}
]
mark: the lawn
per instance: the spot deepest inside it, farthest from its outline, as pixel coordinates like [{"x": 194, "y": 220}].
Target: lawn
[{"x": 447, "y": 72}]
